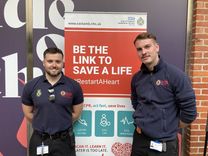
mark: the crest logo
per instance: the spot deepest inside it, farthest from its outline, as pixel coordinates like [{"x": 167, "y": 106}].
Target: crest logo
[
  {"x": 38, "y": 93},
  {"x": 140, "y": 21}
]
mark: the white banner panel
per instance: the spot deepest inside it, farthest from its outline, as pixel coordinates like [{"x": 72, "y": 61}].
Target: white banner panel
[{"x": 106, "y": 20}]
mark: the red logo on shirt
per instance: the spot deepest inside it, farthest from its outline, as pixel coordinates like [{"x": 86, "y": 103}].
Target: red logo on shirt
[
  {"x": 66, "y": 94},
  {"x": 164, "y": 83}
]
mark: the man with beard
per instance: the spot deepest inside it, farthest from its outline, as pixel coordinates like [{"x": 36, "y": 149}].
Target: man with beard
[
  {"x": 52, "y": 102},
  {"x": 163, "y": 99}
]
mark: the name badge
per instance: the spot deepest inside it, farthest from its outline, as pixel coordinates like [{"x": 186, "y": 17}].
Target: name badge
[
  {"x": 42, "y": 149},
  {"x": 155, "y": 145}
]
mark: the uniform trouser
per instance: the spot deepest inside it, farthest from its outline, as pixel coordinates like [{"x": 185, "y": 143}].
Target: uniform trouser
[
  {"x": 61, "y": 146},
  {"x": 141, "y": 147}
]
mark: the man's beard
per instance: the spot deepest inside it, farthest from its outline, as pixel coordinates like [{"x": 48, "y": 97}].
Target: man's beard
[{"x": 53, "y": 74}]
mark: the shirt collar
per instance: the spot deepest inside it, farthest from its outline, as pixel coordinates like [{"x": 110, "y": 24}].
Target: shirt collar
[
  {"x": 156, "y": 67},
  {"x": 60, "y": 81}
]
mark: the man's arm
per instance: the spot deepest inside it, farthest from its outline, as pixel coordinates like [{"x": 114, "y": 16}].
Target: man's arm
[
  {"x": 28, "y": 112},
  {"x": 185, "y": 98},
  {"x": 77, "y": 110}
]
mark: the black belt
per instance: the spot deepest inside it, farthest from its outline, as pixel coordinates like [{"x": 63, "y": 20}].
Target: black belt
[{"x": 57, "y": 135}]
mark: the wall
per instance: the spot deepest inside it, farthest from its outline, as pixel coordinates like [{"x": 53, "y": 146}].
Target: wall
[{"x": 198, "y": 70}]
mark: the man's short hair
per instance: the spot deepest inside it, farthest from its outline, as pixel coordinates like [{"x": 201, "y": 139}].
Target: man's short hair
[
  {"x": 53, "y": 50},
  {"x": 145, "y": 35}
]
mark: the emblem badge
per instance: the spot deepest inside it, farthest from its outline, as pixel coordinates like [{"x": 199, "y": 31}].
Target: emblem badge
[
  {"x": 63, "y": 93},
  {"x": 158, "y": 82},
  {"x": 38, "y": 93}
]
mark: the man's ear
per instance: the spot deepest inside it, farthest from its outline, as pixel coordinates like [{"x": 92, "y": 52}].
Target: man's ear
[
  {"x": 64, "y": 65},
  {"x": 158, "y": 47}
]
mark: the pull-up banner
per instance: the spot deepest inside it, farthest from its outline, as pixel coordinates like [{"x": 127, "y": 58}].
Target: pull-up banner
[{"x": 100, "y": 55}]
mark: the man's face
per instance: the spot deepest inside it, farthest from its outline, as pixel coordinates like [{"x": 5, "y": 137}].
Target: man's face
[
  {"x": 53, "y": 64},
  {"x": 147, "y": 50}
]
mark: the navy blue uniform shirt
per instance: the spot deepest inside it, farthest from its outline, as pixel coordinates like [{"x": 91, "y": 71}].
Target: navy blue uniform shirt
[
  {"x": 161, "y": 99},
  {"x": 54, "y": 114}
]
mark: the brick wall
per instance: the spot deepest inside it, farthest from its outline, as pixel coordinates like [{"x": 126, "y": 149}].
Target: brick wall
[{"x": 197, "y": 67}]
